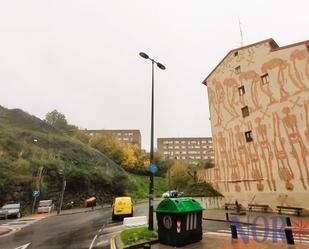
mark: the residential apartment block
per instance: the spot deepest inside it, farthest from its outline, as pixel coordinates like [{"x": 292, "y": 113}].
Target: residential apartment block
[
  {"x": 125, "y": 136},
  {"x": 191, "y": 149},
  {"x": 259, "y": 106}
]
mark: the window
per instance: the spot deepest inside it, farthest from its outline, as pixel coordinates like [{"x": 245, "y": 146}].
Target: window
[
  {"x": 248, "y": 135},
  {"x": 241, "y": 90},
  {"x": 245, "y": 111},
  {"x": 265, "y": 79},
  {"x": 236, "y": 53},
  {"x": 237, "y": 70}
]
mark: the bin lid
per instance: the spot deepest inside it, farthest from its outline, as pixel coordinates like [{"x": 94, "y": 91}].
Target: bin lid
[{"x": 178, "y": 205}]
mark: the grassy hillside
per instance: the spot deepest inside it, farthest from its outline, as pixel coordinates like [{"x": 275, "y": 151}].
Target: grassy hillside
[
  {"x": 140, "y": 189},
  {"x": 32, "y": 153}
]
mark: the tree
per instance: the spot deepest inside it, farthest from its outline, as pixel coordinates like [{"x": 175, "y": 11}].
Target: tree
[
  {"x": 108, "y": 145},
  {"x": 56, "y": 119},
  {"x": 163, "y": 165},
  {"x": 129, "y": 157},
  {"x": 178, "y": 174}
]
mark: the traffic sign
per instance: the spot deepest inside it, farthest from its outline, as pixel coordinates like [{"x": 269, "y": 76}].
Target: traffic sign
[
  {"x": 36, "y": 193},
  {"x": 153, "y": 168}
]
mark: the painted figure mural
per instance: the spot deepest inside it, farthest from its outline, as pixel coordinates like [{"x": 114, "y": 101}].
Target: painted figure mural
[
  {"x": 267, "y": 154},
  {"x": 284, "y": 168},
  {"x": 259, "y": 106},
  {"x": 299, "y": 150}
]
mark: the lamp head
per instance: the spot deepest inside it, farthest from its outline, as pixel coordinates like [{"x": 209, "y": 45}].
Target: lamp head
[
  {"x": 161, "y": 66},
  {"x": 144, "y": 55}
]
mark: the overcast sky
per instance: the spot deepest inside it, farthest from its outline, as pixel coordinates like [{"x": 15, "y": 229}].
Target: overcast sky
[{"x": 81, "y": 57}]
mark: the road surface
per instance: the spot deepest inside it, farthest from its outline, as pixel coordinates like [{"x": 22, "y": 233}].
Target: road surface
[{"x": 65, "y": 231}]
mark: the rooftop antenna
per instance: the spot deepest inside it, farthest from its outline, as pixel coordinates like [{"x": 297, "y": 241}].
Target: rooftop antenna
[{"x": 241, "y": 33}]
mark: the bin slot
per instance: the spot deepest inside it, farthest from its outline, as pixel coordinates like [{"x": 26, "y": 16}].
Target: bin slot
[
  {"x": 191, "y": 222},
  {"x": 188, "y": 222}
]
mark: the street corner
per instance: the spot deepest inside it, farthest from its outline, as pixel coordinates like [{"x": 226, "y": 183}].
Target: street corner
[{"x": 5, "y": 230}]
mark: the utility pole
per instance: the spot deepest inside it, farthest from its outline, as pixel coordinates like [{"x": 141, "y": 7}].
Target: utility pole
[{"x": 62, "y": 192}]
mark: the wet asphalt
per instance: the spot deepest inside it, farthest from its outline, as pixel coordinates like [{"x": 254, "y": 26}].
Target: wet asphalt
[
  {"x": 66, "y": 231},
  {"x": 78, "y": 231}
]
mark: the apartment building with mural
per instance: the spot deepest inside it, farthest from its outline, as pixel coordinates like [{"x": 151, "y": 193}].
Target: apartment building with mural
[
  {"x": 190, "y": 149},
  {"x": 259, "y": 106},
  {"x": 125, "y": 136}
]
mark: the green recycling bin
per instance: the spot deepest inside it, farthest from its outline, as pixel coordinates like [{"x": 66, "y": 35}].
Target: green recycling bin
[{"x": 179, "y": 221}]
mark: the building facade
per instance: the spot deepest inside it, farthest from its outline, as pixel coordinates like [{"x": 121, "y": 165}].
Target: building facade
[
  {"x": 191, "y": 149},
  {"x": 125, "y": 136},
  {"x": 259, "y": 106}
]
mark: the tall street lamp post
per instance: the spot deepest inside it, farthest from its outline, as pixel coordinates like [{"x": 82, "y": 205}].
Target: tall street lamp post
[{"x": 162, "y": 67}]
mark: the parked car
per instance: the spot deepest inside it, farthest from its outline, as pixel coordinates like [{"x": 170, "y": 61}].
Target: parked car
[
  {"x": 45, "y": 206},
  {"x": 11, "y": 210},
  {"x": 122, "y": 207}
]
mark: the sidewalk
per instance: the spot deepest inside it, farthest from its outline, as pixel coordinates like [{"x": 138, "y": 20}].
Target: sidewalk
[
  {"x": 257, "y": 218},
  {"x": 227, "y": 243},
  {"x": 265, "y": 221},
  {"x": 79, "y": 210}
]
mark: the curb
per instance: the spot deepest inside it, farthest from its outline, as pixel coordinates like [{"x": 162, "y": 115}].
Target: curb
[
  {"x": 137, "y": 246},
  {"x": 79, "y": 212},
  {"x": 113, "y": 243}
]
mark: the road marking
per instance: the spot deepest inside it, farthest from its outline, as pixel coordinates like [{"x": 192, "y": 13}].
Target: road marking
[
  {"x": 91, "y": 245},
  {"x": 113, "y": 243},
  {"x": 23, "y": 247}
]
